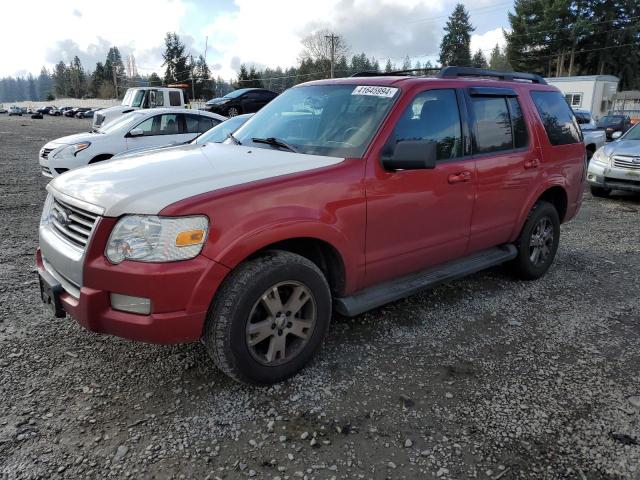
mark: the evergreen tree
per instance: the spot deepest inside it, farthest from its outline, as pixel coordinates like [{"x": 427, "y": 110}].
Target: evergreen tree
[
  {"x": 201, "y": 75},
  {"x": 498, "y": 60},
  {"x": 175, "y": 60},
  {"x": 44, "y": 84},
  {"x": 388, "y": 66},
  {"x": 32, "y": 93},
  {"x": 455, "y": 48},
  {"x": 479, "y": 60},
  {"x": 154, "y": 80},
  {"x": 60, "y": 76}
]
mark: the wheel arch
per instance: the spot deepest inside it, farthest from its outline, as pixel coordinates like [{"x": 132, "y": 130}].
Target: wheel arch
[{"x": 555, "y": 194}]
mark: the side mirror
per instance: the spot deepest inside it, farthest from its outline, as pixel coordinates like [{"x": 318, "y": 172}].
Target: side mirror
[
  {"x": 616, "y": 135},
  {"x": 411, "y": 155},
  {"x": 136, "y": 132}
]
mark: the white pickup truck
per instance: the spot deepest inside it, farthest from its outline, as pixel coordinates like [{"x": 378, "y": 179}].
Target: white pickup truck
[
  {"x": 140, "y": 97},
  {"x": 594, "y": 137}
]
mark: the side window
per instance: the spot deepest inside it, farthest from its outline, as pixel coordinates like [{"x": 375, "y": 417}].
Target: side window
[
  {"x": 191, "y": 122},
  {"x": 169, "y": 124},
  {"x": 174, "y": 99},
  {"x": 207, "y": 123},
  {"x": 148, "y": 126},
  {"x": 557, "y": 118},
  {"x": 433, "y": 115},
  {"x": 520, "y": 134},
  {"x": 493, "y": 125},
  {"x": 159, "y": 99}
]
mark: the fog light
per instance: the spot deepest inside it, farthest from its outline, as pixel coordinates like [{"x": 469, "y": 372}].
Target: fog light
[
  {"x": 591, "y": 176},
  {"x": 127, "y": 303}
]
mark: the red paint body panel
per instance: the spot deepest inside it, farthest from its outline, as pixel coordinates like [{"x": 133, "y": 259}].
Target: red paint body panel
[
  {"x": 382, "y": 224},
  {"x": 180, "y": 294},
  {"x": 326, "y": 204}
]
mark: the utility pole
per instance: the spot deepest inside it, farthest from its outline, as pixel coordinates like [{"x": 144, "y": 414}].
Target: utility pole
[
  {"x": 115, "y": 79},
  {"x": 193, "y": 87},
  {"x": 333, "y": 39}
]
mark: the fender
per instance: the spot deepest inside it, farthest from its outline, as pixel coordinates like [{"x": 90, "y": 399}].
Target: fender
[
  {"x": 555, "y": 180},
  {"x": 237, "y": 250}
]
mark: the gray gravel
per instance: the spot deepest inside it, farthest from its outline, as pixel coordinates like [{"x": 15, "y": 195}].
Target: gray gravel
[{"x": 485, "y": 378}]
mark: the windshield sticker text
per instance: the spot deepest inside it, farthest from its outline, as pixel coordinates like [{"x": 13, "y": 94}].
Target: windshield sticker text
[{"x": 375, "y": 91}]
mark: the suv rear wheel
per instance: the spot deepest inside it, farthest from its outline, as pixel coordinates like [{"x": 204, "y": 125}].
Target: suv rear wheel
[
  {"x": 538, "y": 242},
  {"x": 268, "y": 318}
]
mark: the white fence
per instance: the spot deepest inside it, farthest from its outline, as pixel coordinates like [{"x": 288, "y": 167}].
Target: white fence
[{"x": 70, "y": 102}]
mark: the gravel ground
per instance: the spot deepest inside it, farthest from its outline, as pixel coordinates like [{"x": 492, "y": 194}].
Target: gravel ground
[{"x": 485, "y": 378}]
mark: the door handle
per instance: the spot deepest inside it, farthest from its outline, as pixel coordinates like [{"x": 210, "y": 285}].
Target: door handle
[
  {"x": 532, "y": 163},
  {"x": 464, "y": 176}
]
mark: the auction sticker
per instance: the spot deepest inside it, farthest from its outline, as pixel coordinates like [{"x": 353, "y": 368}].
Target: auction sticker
[{"x": 375, "y": 91}]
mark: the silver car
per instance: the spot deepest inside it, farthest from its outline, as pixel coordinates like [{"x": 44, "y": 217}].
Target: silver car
[{"x": 616, "y": 166}]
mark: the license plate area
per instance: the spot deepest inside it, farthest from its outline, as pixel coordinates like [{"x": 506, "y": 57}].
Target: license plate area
[{"x": 50, "y": 291}]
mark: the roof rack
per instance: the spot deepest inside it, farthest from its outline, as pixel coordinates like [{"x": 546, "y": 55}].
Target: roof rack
[
  {"x": 455, "y": 72},
  {"x": 394, "y": 72}
]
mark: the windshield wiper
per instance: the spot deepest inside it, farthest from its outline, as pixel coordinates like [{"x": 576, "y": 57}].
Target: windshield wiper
[
  {"x": 235, "y": 140},
  {"x": 275, "y": 142}
]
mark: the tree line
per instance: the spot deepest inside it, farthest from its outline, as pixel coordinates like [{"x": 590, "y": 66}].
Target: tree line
[{"x": 548, "y": 37}]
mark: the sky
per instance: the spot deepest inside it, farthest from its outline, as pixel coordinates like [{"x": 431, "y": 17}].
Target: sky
[{"x": 255, "y": 32}]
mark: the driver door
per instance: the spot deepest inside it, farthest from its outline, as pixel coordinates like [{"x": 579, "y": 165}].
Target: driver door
[{"x": 421, "y": 218}]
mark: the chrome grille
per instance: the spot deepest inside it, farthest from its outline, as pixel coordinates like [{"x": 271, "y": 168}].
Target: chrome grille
[
  {"x": 44, "y": 153},
  {"x": 627, "y": 162},
  {"x": 72, "y": 223}
]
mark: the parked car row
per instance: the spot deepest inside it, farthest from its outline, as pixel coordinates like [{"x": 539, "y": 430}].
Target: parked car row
[
  {"x": 345, "y": 193},
  {"x": 244, "y": 100}
]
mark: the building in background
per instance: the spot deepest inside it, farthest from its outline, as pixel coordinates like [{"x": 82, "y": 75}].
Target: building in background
[
  {"x": 628, "y": 103},
  {"x": 591, "y": 92}
]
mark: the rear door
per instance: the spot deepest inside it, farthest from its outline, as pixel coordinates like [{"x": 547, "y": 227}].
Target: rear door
[
  {"x": 507, "y": 163},
  {"x": 420, "y": 218},
  {"x": 159, "y": 130}
]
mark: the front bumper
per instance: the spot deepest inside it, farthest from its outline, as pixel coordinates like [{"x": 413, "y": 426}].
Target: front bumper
[
  {"x": 614, "y": 178},
  {"x": 180, "y": 294}
]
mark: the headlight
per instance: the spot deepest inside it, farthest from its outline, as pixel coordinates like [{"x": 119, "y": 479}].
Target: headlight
[
  {"x": 147, "y": 238},
  {"x": 601, "y": 157},
  {"x": 72, "y": 150},
  {"x": 44, "y": 218}
]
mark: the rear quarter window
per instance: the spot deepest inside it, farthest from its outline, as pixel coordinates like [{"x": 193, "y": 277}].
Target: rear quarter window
[
  {"x": 557, "y": 118},
  {"x": 174, "y": 99}
]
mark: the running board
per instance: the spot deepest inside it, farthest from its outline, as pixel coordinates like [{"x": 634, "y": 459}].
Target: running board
[{"x": 396, "y": 289}]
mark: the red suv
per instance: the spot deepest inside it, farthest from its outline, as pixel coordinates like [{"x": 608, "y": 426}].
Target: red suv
[{"x": 340, "y": 195}]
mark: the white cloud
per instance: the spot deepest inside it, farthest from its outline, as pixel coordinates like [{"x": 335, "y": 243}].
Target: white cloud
[
  {"x": 135, "y": 26},
  {"x": 487, "y": 41}
]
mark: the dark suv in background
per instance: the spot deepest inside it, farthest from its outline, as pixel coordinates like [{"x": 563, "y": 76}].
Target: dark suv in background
[
  {"x": 614, "y": 123},
  {"x": 244, "y": 100}
]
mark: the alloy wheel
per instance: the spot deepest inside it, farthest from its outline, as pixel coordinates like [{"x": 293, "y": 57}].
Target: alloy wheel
[
  {"x": 541, "y": 242},
  {"x": 281, "y": 323}
]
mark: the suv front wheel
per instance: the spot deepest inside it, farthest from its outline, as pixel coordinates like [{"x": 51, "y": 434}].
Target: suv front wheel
[
  {"x": 538, "y": 242},
  {"x": 268, "y": 318}
]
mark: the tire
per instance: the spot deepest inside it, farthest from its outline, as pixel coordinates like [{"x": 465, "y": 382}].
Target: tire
[
  {"x": 600, "y": 192},
  {"x": 541, "y": 234},
  {"x": 232, "y": 112},
  {"x": 232, "y": 333}
]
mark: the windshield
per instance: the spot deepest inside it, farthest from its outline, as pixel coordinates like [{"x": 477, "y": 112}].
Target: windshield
[
  {"x": 633, "y": 134},
  {"x": 220, "y": 132},
  {"x": 610, "y": 119},
  {"x": 235, "y": 93},
  {"x": 121, "y": 122},
  {"x": 333, "y": 120}
]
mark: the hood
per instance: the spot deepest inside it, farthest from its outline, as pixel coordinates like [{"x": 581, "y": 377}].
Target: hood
[
  {"x": 149, "y": 182},
  {"x": 118, "y": 109},
  {"x": 630, "y": 148},
  {"x": 76, "y": 138}
]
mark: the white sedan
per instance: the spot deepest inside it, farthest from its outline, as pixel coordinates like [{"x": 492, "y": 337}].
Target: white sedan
[{"x": 135, "y": 130}]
